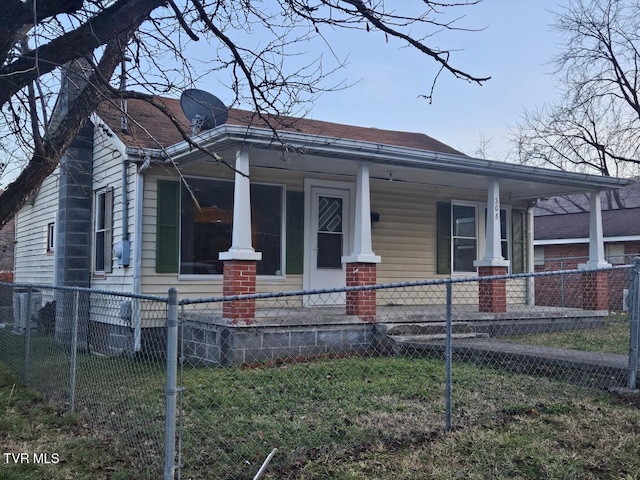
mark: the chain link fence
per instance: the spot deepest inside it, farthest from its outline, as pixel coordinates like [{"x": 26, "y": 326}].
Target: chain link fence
[
  {"x": 303, "y": 386},
  {"x": 97, "y": 355},
  {"x": 299, "y": 380},
  {"x": 566, "y": 289}
]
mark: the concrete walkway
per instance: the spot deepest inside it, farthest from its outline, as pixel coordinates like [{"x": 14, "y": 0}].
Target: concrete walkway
[{"x": 605, "y": 370}]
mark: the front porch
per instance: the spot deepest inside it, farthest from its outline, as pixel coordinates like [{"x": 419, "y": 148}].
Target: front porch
[{"x": 299, "y": 332}]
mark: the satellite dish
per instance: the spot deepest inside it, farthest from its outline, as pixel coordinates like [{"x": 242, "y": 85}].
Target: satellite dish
[{"x": 204, "y": 110}]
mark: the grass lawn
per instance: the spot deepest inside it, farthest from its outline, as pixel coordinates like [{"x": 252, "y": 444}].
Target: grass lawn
[
  {"x": 612, "y": 338},
  {"x": 350, "y": 418}
]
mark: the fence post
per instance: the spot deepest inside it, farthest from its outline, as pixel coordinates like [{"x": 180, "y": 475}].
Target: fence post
[
  {"x": 448, "y": 354},
  {"x": 27, "y": 338},
  {"x": 634, "y": 323},
  {"x": 171, "y": 390},
  {"x": 73, "y": 362},
  {"x": 562, "y": 302}
]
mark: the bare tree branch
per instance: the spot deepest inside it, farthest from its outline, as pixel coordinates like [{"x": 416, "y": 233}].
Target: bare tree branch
[
  {"x": 595, "y": 126},
  {"x": 259, "y": 51},
  {"x": 44, "y": 162}
]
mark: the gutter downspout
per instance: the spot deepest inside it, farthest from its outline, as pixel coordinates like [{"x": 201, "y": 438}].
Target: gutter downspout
[
  {"x": 137, "y": 263},
  {"x": 124, "y": 259}
]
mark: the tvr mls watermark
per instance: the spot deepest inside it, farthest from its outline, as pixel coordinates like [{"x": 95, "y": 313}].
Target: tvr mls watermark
[{"x": 41, "y": 458}]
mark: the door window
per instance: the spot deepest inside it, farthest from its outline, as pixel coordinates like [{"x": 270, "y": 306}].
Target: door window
[{"x": 329, "y": 232}]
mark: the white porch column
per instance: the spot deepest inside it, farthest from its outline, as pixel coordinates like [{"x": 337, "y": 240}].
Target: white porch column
[
  {"x": 531, "y": 295},
  {"x": 596, "y": 238},
  {"x": 492, "y": 295},
  {"x": 241, "y": 245},
  {"x": 493, "y": 251},
  {"x": 362, "y": 246}
]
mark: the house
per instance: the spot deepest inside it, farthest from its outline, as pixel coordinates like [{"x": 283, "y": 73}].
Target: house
[
  {"x": 7, "y": 239},
  {"x": 561, "y": 238},
  {"x": 307, "y": 204},
  {"x": 562, "y": 241}
]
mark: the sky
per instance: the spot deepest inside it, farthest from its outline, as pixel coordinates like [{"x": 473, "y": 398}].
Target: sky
[{"x": 514, "y": 48}]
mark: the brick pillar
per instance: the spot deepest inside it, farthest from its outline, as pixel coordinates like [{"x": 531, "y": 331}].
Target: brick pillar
[
  {"x": 239, "y": 278},
  {"x": 492, "y": 294},
  {"x": 361, "y": 303},
  {"x": 595, "y": 290}
]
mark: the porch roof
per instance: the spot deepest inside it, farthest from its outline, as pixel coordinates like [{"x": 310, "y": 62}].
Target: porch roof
[{"x": 323, "y": 147}]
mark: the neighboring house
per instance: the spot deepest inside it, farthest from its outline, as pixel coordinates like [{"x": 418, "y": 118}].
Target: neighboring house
[
  {"x": 135, "y": 207},
  {"x": 7, "y": 240},
  {"x": 561, "y": 240}
]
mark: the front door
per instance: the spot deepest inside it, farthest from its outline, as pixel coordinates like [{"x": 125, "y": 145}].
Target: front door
[{"x": 328, "y": 242}]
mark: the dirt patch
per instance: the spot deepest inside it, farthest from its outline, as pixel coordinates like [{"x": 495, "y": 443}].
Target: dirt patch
[{"x": 627, "y": 396}]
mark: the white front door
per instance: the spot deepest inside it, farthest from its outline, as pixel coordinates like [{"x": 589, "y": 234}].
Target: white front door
[{"x": 328, "y": 241}]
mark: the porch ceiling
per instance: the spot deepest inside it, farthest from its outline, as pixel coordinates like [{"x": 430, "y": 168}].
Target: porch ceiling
[
  {"x": 339, "y": 157},
  {"x": 515, "y": 189}
]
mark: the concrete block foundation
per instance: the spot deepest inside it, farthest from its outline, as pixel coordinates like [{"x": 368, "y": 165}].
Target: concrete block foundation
[{"x": 216, "y": 342}]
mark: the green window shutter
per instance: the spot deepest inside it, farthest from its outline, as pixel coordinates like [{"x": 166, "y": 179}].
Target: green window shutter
[
  {"x": 519, "y": 242},
  {"x": 167, "y": 225},
  {"x": 295, "y": 232},
  {"x": 443, "y": 228}
]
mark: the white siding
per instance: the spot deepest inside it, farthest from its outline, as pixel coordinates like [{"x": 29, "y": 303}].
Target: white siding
[
  {"x": 108, "y": 162},
  {"x": 33, "y": 264}
]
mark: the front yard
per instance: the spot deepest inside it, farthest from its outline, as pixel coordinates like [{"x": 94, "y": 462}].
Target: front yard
[{"x": 348, "y": 418}]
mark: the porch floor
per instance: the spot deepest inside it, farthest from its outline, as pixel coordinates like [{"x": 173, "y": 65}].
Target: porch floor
[{"x": 394, "y": 314}]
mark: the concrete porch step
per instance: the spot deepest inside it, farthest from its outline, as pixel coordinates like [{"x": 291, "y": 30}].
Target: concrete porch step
[
  {"x": 424, "y": 332},
  {"x": 420, "y": 339},
  {"x": 495, "y": 328},
  {"x": 425, "y": 328}
]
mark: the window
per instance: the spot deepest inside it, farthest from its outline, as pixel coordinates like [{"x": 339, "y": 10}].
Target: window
[
  {"x": 538, "y": 256},
  {"x": 504, "y": 237},
  {"x": 614, "y": 253},
  {"x": 458, "y": 237},
  {"x": 518, "y": 241},
  {"x": 50, "y": 237},
  {"x": 330, "y": 233},
  {"x": 464, "y": 238},
  {"x": 103, "y": 235},
  {"x": 206, "y": 218}
]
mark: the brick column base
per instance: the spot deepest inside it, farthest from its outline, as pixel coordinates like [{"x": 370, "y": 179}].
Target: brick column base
[
  {"x": 361, "y": 303},
  {"x": 595, "y": 290},
  {"x": 239, "y": 278},
  {"x": 492, "y": 294}
]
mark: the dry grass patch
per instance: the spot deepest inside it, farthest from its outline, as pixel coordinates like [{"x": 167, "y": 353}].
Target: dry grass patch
[{"x": 612, "y": 338}]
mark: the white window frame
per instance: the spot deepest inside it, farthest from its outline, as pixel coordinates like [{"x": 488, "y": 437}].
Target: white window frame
[
  {"x": 457, "y": 203},
  {"x": 615, "y": 253},
  {"x": 51, "y": 241},
  {"x": 103, "y": 225},
  {"x": 481, "y": 232}
]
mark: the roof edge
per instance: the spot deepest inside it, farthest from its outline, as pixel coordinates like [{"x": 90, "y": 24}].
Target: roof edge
[{"x": 227, "y": 135}]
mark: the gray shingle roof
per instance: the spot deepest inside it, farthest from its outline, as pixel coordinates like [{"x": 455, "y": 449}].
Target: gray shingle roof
[{"x": 615, "y": 223}]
